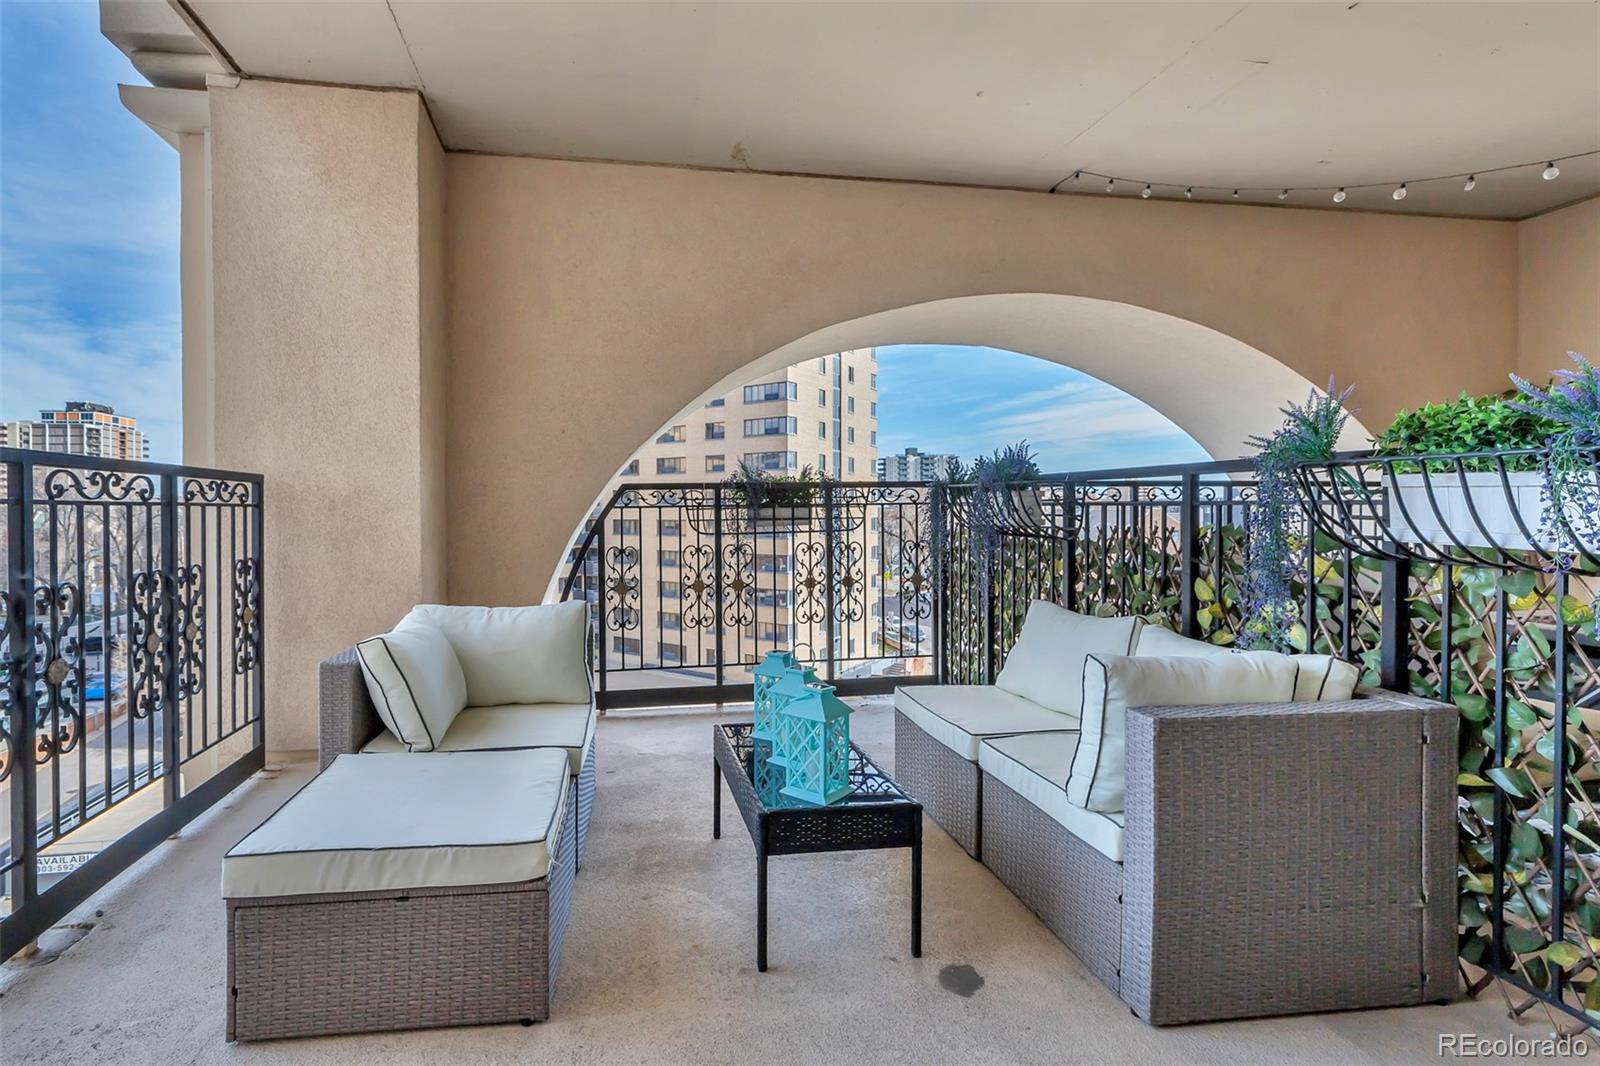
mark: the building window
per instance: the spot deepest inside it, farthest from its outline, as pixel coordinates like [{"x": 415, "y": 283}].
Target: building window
[
  {"x": 632, "y": 469},
  {"x": 850, "y": 404},
  {"x": 772, "y": 598},
  {"x": 850, "y": 374},
  {"x": 874, "y": 438},
  {"x": 671, "y": 620},
  {"x": 720, "y": 401},
  {"x": 716, "y": 430},
  {"x": 675, "y": 435},
  {"x": 852, "y": 463},
  {"x": 671, "y": 590},
  {"x": 874, "y": 409},
  {"x": 672, "y": 653},
  {"x": 850, "y": 434},
  {"x": 822, "y": 397},
  {"x": 625, "y": 527},
  {"x": 771, "y": 390},
  {"x": 822, "y": 462},
  {"x": 670, "y": 527},
  {"x": 822, "y": 365},
  {"x": 769, "y": 427},
  {"x": 626, "y": 645},
  {"x": 772, "y": 564},
  {"x": 672, "y": 465},
  {"x": 716, "y": 464},
  {"x": 669, "y": 559},
  {"x": 770, "y": 460},
  {"x": 874, "y": 381},
  {"x": 822, "y": 430}
]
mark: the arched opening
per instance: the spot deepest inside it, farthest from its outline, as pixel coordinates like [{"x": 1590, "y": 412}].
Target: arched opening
[{"x": 670, "y": 556}]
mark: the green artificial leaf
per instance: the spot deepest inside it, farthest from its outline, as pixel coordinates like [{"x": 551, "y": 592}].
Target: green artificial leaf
[
  {"x": 1466, "y": 780},
  {"x": 1519, "y": 715},
  {"x": 1203, "y": 590},
  {"x": 1473, "y": 707},
  {"x": 1523, "y": 940},
  {"x": 1564, "y": 955},
  {"x": 1513, "y": 780},
  {"x": 1526, "y": 842}
]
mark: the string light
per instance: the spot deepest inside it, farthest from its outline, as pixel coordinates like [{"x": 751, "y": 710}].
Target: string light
[{"x": 1549, "y": 171}]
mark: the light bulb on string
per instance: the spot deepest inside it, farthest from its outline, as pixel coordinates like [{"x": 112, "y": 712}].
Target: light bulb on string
[
  {"x": 1472, "y": 183},
  {"x": 1399, "y": 192},
  {"x": 1339, "y": 196},
  {"x": 1145, "y": 192},
  {"x": 1236, "y": 194},
  {"x": 1284, "y": 195},
  {"x": 1109, "y": 183},
  {"x": 1188, "y": 194},
  {"x": 1551, "y": 172}
]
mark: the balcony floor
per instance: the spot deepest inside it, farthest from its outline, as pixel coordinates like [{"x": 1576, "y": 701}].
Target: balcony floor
[{"x": 659, "y": 958}]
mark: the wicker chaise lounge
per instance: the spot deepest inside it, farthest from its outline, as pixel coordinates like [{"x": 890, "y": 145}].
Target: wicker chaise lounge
[{"x": 543, "y": 700}]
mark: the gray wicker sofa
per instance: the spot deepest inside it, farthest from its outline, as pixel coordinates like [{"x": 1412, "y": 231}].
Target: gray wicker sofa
[{"x": 1261, "y": 858}]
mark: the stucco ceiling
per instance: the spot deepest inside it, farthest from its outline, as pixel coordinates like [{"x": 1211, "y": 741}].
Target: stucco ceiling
[{"x": 1262, "y": 95}]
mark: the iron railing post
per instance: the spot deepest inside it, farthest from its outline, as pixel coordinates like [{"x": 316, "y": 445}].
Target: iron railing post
[
  {"x": 830, "y": 546},
  {"x": 1393, "y": 661},
  {"x": 1069, "y": 562},
  {"x": 941, "y": 653},
  {"x": 1558, "y": 789},
  {"x": 716, "y": 580},
  {"x": 604, "y": 656},
  {"x": 21, "y": 622},
  {"x": 1188, "y": 557},
  {"x": 167, "y": 573},
  {"x": 259, "y": 682},
  {"x": 1501, "y": 840}
]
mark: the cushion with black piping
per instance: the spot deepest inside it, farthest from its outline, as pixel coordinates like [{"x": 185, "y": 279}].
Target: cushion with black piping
[{"x": 415, "y": 681}]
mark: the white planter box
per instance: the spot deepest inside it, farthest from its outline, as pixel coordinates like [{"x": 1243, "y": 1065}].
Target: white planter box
[{"x": 1446, "y": 519}]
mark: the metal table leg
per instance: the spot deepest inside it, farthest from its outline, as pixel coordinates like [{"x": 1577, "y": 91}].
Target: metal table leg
[
  {"x": 916, "y": 900},
  {"x": 716, "y": 799},
  {"x": 761, "y": 912}
]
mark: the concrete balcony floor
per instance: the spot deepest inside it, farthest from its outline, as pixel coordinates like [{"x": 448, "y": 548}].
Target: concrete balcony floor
[{"x": 659, "y": 959}]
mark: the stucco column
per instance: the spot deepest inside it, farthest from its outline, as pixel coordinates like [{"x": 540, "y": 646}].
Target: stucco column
[
  {"x": 327, "y": 281},
  {"x": 194, "y": 272}
]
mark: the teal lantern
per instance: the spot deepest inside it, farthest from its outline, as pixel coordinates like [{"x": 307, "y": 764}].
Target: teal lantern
[
  {"x": 768, "y": 674},
  {"x": 814, "y": 739},
  {"x": 796, "y": 681}
]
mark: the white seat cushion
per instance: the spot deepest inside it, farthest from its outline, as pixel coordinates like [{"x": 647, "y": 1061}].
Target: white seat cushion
[
  {"x": 381, "y": 822},
  {"x": 1045, "y": 665},
  {"x": 517, "y": 654},
  {"x": 1114, "y": 683},
  {"x": 512, "y": 727},
  {"x": 1318, "y": 677},
  {"x": 415, "y": 682},
  {"x": 960, "y": 716},
  {"x": 1036, "y": 767}
]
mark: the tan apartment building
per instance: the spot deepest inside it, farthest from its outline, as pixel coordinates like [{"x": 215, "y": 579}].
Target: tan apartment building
[
  {"x": 80, "y": 429},
  {"x": 821, "y": 414}
]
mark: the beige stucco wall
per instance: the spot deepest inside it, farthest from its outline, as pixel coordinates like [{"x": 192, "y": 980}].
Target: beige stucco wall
[
  {"x": 325, "y": 334},
  {"x": 1558, "y": 290},
  {"x": 589, "y": 302}
]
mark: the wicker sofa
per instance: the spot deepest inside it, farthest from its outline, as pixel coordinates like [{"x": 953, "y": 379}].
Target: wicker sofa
[{"x": 1264, "y": 857}]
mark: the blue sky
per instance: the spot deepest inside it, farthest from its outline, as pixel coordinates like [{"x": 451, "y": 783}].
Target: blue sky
[
  {"x": 88, "y": 229},
  {"x": 970, "y": 401},
  {"x": 89, "y": 302}
]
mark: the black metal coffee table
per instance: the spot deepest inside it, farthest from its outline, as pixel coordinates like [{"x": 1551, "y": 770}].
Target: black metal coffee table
[{"x": 876, "y": 814}]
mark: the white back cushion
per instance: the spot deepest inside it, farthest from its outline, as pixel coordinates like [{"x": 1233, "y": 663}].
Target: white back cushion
[
  {"x": 1114, "y": 683},
  {"x": 1046, "y": 663},
  {"x": 517, "y": 654},
  {"x": 1320, "y": 677},
  {"x": 415, "y": 682}
]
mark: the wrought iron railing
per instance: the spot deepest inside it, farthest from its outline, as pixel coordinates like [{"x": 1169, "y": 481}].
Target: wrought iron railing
[
  {"x": 692, "y": 586},
  {"x": 131, "y": 640}
]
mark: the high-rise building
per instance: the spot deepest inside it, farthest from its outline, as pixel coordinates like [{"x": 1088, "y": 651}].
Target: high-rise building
[
  {"x": 821, "y": 414},
  {"x": 81, "y": 429},
  {"x": 913, "y": 465}
]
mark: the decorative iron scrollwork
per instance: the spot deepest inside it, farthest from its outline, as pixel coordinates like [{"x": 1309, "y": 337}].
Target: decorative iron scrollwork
[
  {"x": 810, "y": 582},
  {"x": 697, "y": 586},
  {"x": 189, "y": 602},
  {"x": 246, "y": 615},
  {"x": 7, "y": 742},
  {"x": 739, "y": 584},
  {"x": 97, "y": 486},
  {"x": 212, "y": 490},
  {"x": 621, "y": 583},
  {"x": 58, "y": 721},
  {"x": 147, "y": 648},
  {"x": 849, "y": 603}
]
